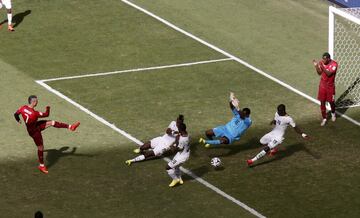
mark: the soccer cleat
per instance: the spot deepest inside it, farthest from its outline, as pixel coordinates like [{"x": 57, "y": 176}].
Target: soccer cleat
[
  {"x": 137, "y": 151},
  {"x": 249, "y": 162},
  {"x": 333, "y": 117},
  {"x": 43, "y": 169},
  {"x": 74, "y": 126},
  {"x": 174, "y": 182},
  {"x": 207, "y": 145},
  {"x": 181, "y": 181},
  {"x": 273, "y": 152},
  {"x": 11, "y": 28},
  {"x": 323, "y": 122},
  {"x": 202, "y": 141},
  {"x": 128, "y": 162}
]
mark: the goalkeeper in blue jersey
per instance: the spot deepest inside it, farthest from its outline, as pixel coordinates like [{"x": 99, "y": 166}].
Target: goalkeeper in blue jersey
[{"x": 233, "y": 130}]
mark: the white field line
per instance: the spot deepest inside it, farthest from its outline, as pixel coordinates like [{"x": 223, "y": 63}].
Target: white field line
[
  {"x": 137, "y": 70},
  {"x": 235, "y": 58},
  {"x": 132, "y": 138}
]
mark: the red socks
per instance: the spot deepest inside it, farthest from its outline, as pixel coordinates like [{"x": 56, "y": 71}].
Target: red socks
[
  {"x": 41, "y": 156},
  {"x": 323, "y": 110},
  {"x": 61, "y": 125}
]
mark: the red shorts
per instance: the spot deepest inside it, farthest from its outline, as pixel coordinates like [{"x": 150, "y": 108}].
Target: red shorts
[
  {"x": 35, "y": 132},
  {"x": 326, "y": 94}
]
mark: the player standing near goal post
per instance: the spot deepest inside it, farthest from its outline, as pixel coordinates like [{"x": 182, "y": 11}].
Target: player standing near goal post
[
  {"x": 34, "y": 127},
  {"x": 7, "y": 4},
  {"x": 326, "y": 69}
]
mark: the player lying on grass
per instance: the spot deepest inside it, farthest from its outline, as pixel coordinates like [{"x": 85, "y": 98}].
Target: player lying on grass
[
  {"x": 159, "y": 145},
  {"x": 7, "y": 4},
  {"x": 274, "y": 138},
  {"x": 182, "y": 146},
  {"x": 233, "y": 130},
  {"x": 35, "y": 126}
]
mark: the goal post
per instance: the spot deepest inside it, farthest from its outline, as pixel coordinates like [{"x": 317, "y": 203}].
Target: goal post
[{"x": 344, "y": 47}]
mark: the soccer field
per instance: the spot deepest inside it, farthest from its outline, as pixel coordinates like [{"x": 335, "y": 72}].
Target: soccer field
[{"x": 125, "y": 74}]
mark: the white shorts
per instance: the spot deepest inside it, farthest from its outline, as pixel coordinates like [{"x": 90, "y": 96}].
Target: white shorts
[
  {"x": 160, "y": 145},
  {"x": 178, "y": 159},
  {"x": 6, "y": 3},
  {"x": 271, "y": 139}
]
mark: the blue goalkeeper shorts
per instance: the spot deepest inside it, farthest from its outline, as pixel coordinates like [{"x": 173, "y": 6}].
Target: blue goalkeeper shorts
[{"x": 221, "y": 131}]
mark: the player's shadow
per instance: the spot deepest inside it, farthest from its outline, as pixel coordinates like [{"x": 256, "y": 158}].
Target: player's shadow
[
  {"x": 197, "y": 172},
  {"x": 284, "y": 153},
  {"x": 53, "y": 155},
  {"x": 18, "y": 18},
  {"x": 343, "y": 100}
]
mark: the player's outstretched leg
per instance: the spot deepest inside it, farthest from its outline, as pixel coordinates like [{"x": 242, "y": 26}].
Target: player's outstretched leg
[
  {"x": 57, "y": 124},
  {"x": 139, "y": 158},
  {"x": 143, "y": 148},
  {"x": 221, "y": 141},
  {"x": 258, "y": 156}
]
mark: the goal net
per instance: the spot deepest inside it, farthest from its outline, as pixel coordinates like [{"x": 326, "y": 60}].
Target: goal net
[{"x": 344, "y": 47}]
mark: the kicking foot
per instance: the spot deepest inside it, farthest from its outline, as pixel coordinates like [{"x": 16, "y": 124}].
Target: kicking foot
[
  {"x": 11, "y": 28},
  {"x": 128, "y": 162},
  {"x": 249, "y": 162},
  {"x": 202, "y": 141},
  {"x": 174, "y": 182},
  {"x": 323, "y": 122},
  {"x": 137, "y": 151},
  {"x": 43, "y": 169},
  {"x": 74, "y": 126},
  {"x": 181, "y": 181},
  {"x": 207, "y": 145}
]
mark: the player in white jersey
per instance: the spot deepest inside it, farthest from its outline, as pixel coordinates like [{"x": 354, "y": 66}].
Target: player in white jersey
[
  {"x": 159, "y": 145},
  {"x": 182, "y": 146},
  {"x": 272, "y": 139},
  {"x": 7, "y": 4}
]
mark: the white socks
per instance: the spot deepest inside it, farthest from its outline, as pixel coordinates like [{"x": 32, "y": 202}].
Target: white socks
[
  {"x": 9, "y": 16},
  {"x": 172, "y": 174},
  {"x": 139, "y": 158},
  {"x": 259, "y": 155}
]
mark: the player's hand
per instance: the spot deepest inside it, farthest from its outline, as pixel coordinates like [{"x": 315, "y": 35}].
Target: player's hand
[
  {"x": 232, "y": 96},
  {"x": 47, "y": 108},
  {"x": 315, "y": 63}
]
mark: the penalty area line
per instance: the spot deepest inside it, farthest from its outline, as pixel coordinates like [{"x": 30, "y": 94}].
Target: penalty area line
[
  {"x": 137, "y": 70},
  {"x": 138, "y": 142},
  {"x": 227, "y": 54}
]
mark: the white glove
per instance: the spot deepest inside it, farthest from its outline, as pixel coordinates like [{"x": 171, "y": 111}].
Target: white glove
[
  {"x": 235, "y": 103},
  {"x": 232, "y": 96}
]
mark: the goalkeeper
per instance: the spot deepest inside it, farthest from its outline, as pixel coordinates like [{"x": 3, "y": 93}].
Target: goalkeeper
[{"x": 233, "y": 130}]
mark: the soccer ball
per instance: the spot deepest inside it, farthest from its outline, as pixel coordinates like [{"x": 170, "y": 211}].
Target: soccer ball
[{"x": 215, "y": 162}]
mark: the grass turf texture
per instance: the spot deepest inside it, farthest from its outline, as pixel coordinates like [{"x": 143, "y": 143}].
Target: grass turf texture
[{"x": 57, "y": 39}]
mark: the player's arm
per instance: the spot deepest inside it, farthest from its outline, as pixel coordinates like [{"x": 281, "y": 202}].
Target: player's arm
[
  {"x": 46, "y": 113},
  {"x": 300, "y": 132},
  {"x": 17, "y": 116},
  {"x": 174, "y": 147},
  {"x": 327, "y": 72},
  {"x": 317, "y": 67}
]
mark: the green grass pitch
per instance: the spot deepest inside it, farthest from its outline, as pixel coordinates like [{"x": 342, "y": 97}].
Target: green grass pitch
[{"x": 87, "y": 175}]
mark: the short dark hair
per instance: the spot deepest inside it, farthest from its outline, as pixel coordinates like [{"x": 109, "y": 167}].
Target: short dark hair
[
  {"x": 327, "y": 55},
  {"x": 182, "y": 127},
  {"x": 247, "y": 111},
  {"x": 281, "y": 107},
  {"x": 39, "y": 214},
  {"x": 31, "y": 97},
  {"x": 181, "y": 117}
]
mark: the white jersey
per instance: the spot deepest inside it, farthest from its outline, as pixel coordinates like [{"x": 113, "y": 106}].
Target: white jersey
[
  {"x": 281, "y": 124},
  {"x": 6, "y": 3},
  {"x": 183, "y": 154},
  {"x": 173, "y": 128}
]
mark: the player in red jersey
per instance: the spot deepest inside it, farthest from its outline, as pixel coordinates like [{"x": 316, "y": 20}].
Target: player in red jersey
[
  {"x": 35, "y": 126},
  {"x": 326, "y": 68}
]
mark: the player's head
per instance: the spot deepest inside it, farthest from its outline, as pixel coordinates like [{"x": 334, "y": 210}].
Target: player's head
[
  {"x": 180, "y": 119},
  {"x": 246, "y": 111},
  {"x": 326, "y": 58},
  {"x": 32, "y": 100},
  {"x": 182, "y": 128},
  {"x": 38, "y": 214},
  {"x": 281, "y": 109}
]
